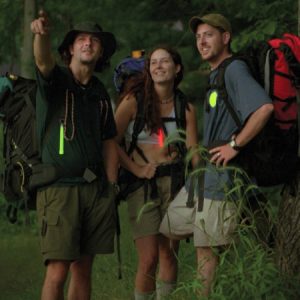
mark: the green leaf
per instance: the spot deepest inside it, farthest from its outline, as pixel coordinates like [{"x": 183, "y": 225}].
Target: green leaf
[{"x": 269, "y": 28}]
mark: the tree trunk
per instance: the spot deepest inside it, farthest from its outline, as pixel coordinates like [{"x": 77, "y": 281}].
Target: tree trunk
[
  {"x": 299, "y": 17},
  {"x": 27, "y": 51},
  {"x": 288, "y": 231}
]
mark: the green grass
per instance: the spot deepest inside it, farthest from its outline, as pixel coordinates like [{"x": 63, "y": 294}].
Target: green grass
[
  {"x": 22, "y": 269},
  {"x": 20, "y": 263},
  {"x": 246, "y": 269}
]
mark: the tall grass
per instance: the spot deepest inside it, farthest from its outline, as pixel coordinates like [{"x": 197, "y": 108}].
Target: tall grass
[{"x": 246, "y": 270}]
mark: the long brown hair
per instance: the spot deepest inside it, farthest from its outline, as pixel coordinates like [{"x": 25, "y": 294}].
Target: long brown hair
[{"x": 145, "y": 86}]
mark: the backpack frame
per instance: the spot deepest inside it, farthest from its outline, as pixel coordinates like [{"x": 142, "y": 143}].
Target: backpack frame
[
  {"x": 180, "y": 119},
  {"x": 127, "y": 181}
]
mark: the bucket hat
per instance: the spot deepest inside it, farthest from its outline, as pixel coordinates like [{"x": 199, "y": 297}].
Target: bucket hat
[
  {"x": 107, "y": 39},
  {"x": 215, "y": 20}
]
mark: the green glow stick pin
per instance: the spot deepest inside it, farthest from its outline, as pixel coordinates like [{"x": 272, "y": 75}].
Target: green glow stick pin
[{"x": 61, "y": 149}]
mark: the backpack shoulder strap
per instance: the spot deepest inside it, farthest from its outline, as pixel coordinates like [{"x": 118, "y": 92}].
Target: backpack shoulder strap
[
  {"x": 139, "y": 122},
  {"x": 219, "y": 83},
  {"x": 220, "y": 86},
  {"x": 27, "y": 87},
  {"x": 180, "y": 108}
]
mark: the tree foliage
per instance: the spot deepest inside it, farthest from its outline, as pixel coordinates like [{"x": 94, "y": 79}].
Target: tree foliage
[
  {"x": 145, "y": 24},
  {"x": 10, "y": 31}
]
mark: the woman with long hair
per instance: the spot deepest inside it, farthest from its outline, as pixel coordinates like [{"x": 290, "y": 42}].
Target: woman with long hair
[{"x": 156, "y": 171}]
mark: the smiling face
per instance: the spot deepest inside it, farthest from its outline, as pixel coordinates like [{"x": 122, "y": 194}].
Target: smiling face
[
  {"x": 162, "y": 67},
  {"x": 212, "y": 44},
  {"x": 86, "y": 49}
]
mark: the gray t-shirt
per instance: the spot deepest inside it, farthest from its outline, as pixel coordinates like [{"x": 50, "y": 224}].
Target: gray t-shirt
[{"x": 246, "y": 96}]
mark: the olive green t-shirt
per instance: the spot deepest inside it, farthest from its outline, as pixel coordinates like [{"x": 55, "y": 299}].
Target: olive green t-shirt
[{"x": 72, "y": 122}]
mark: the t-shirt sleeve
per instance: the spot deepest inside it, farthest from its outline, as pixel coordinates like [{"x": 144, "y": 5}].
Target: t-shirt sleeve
[
  {"x": 244, "y": 91},
  {"x": 47, "y": 86}
]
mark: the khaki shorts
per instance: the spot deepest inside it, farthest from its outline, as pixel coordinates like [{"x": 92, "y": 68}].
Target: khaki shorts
[
  {"x": 215, "y": 224},
  {"x": 145, "y": 218},
  {"x": 76, "y": 220}
]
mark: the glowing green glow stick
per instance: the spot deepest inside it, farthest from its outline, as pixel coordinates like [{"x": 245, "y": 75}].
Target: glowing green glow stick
[{"x": 61, "y": 150}]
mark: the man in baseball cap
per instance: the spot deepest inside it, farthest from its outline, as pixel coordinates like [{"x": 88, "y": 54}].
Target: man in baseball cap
[
  {"x": 212, "y": 50},
  {"x": 217, "y": 221}
]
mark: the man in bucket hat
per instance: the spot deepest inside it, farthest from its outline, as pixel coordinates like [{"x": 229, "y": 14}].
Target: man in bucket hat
[
  {"x": 107, "y": 39},
  {"x": 216, "y": 220},
  {"x": 76, "y": 130}
]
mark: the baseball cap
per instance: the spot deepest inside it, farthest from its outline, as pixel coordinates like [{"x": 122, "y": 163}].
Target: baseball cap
[{"x": 215, "y": 20}]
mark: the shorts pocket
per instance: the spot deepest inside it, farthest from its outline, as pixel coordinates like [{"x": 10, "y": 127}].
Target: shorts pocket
[
  {"x": 50, "y": 232},
  {"x": 227, "y": 221}
]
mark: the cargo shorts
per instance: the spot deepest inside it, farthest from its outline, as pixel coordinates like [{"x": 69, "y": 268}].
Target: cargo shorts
[
  {"x": 76, "y": 220},
  {"x": 216, "y": 223},
  {"x": 145, "y": 217}
]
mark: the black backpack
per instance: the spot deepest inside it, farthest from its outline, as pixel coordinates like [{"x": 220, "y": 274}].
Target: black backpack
[
  {"x": 22, "y": 171},
  {"x": 127, "y": 181},
  {"x": 272, "y": 156},
  {"x": 180, "y": 120}
]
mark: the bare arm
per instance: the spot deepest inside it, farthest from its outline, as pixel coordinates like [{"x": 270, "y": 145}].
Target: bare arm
[
  {"x": 255, "y": 124},
  {"x": 223, "y": 154},
  {"x": 41, "y": 44},
  {"x": 192, "y": 132},
  {"x": 125, "y": 113},
  {"x": 111, "y": 159}
]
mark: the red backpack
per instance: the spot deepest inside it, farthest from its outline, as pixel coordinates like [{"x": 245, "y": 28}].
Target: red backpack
[
  {"x": 272, "y": 156},
  {"x": 285, "y": 79}
]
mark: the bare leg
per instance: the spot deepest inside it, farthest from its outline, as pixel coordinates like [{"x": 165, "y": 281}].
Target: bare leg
[
  {"x": 81, "y": 274},
  {"x": 207, "y": 264},
  {"x": 55, "y": 278},
  {"x": 147, "y": 248},
  {"x": 168, "y": 266}
]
